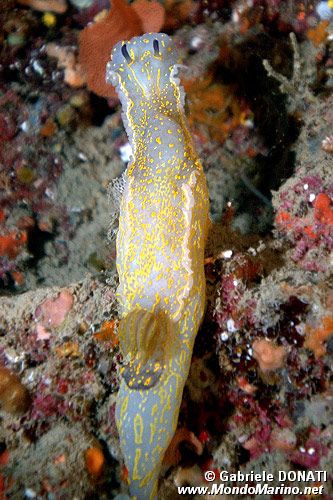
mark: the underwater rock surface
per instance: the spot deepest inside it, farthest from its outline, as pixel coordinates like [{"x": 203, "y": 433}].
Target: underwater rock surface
[{"x": 258, "y": 82}]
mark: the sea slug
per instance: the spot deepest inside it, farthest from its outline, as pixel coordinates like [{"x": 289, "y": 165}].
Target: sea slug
[{"x": 163, "y": 225}]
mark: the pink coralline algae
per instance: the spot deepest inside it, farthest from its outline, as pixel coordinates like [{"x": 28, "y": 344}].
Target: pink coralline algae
[
  {"x": 28, "y": 171},
  {"x": 307, "y": 221},
  {"x": 242, "y": 271},
  {"x": 252, "y": 416},
  {"x": 52, "y": 312},
  {"x": 262, "y": 339},
  {"x": 46, "y": 406},
  {"x": 28, "y": 167},
  {"x": 269, "y": 428},
  {"x": 49, "y": 404},
  {"x": 309, "y": 455}
]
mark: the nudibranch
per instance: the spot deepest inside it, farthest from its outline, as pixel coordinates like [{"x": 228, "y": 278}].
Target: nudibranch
[{"x": 163, "y": 225}]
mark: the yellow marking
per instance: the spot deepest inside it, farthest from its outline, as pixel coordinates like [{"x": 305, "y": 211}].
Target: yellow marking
[
  {"x": 162, "y": 395},
  {"x": 134, "y": 75},
  {"x": 152, "y": 432},
  {"x": 154, "y": 410},
  {"x": 158, "y": 140},
  {"x": 166, "y": 408},
  {"x": 146, "y": 480},
  {"x": 123, "y": 408},
  {"x": 138, "y": 428},
  {"x": 158, "y": 77},
  {"x": 136, "y": 475}
]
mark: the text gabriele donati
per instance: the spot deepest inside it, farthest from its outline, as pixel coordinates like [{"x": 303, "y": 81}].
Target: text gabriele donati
[{"x": 316, "y": 475}]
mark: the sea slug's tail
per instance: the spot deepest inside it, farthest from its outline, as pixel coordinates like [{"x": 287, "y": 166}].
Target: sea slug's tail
[
  {"x": 146, "y": 421},
  {"x": 149, "y": 396},
  {"x": 143, "y": 67}
]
